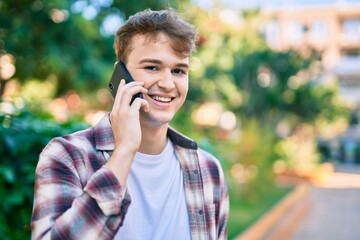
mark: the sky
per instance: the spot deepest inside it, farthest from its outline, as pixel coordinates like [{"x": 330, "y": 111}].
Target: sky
[
  {"x": 113, "y": 20},
  {"x": 241, "y": 4}
]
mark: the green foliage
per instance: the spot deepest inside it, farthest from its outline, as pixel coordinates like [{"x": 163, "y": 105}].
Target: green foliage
[
  {"x": 233, "y": 66},
  {"x": 251, "y": 159},
  {"x": 22, "y": 137},
  {"x": 49, "y": 38},
  {"x": 272, "y": 95},
  {"x": 264, "y": 75}
]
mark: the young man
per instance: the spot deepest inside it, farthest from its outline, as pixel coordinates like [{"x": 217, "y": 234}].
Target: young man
[{"x": 132, "y": 176}]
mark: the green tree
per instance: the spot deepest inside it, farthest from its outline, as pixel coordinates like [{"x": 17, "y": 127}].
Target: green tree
[
  {"x": 237, "y": 68},
  {"x": 275, "y": 97},
  {"x": 23, "y": 135},
  {"x": 64, "y": 39}
]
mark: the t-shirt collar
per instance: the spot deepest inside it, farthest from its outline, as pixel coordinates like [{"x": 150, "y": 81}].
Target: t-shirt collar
[{"x": 104, "y": 138}]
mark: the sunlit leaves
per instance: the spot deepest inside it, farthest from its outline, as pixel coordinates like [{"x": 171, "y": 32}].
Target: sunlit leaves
[{"x": 22, "y": 138}]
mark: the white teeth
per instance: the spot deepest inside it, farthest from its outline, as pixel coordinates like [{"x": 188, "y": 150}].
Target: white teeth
[{"x": 161, "y": 99}]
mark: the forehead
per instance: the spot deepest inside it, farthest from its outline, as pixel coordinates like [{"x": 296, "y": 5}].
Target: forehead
[
  {"x": 149, "y": 40},
  {"x": 157, "y": 46},
  {"x": 153, "y": 37}
]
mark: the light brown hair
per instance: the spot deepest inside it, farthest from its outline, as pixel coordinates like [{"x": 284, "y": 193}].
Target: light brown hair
[{"x": 150, "y": 23}]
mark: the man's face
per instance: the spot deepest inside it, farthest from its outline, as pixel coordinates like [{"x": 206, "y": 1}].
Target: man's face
[{"x": 165, "y": 74}]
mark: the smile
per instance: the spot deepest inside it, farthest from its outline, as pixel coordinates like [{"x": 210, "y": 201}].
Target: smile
[{"x": 161, "y": 99}]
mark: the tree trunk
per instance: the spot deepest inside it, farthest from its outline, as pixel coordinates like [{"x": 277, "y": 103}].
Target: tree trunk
[{"x": 2, "y": 88}]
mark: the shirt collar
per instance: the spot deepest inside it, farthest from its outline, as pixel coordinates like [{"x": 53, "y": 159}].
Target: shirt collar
[{"x": 104, "y": 138}]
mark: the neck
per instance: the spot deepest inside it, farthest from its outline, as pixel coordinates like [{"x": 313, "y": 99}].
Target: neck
[{"x": 153, "y": 139}]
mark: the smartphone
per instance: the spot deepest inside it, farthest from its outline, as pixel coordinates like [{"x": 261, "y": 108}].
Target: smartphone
[{"x": 121, "y": 72}]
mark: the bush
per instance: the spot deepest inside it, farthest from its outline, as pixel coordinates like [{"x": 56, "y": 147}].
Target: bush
[{"x": 22, "y": 138}]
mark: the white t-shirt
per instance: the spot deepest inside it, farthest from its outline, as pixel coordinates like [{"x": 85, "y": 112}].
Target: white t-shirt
[{"x": 158, "y": 206}]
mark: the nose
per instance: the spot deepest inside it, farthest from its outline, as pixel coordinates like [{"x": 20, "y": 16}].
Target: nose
[{"x": 166, "y": 82}]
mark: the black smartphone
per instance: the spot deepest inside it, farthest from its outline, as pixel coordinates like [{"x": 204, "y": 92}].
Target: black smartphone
[{"x": 121, "y": 72}]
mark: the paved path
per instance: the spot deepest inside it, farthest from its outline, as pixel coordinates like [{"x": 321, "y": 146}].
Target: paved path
[{"x": 335, "y": 210}]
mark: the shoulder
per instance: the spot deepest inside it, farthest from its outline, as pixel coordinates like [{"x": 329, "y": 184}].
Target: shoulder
[
  {"x": 75, "y": 141},
  {"x": 206, "y": 158},
  {"x": 68, "y": 151},
  {"x": 68, "y": 157},
  {"x": 209, "y": 164},
  {"x": 213, "y": 178}
]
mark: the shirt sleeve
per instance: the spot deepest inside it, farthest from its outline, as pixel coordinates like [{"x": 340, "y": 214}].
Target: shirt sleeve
[{"x": 64, "y": 208}]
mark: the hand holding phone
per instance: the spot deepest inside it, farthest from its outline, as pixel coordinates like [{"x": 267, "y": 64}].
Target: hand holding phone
[
  {"x": 125, "y": 121},
  {"x": 125, "y": 113},
  {"x": 121, "y": 72}
]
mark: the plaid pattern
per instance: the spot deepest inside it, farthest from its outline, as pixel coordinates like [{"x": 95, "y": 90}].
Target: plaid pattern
[{"x": 75, "y": 198}]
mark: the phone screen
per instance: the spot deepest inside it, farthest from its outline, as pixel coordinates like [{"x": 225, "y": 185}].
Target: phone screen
[{"x": 121, "y": 72}]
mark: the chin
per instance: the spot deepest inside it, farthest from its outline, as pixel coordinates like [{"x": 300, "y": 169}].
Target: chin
[{"x": 155, "y": 120}]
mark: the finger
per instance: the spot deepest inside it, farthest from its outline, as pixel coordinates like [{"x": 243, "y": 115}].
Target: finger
[
  {"x": 122, "y": 88},
  {"x": 118, "y": 95},
  {"x": 130, "y": 92},
  {"x": 131, "y": 84},
  {"x": 140, "y": 103}
]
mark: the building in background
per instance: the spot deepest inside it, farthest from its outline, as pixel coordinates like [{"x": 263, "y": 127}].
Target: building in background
[{"x": 330, "y": 27}]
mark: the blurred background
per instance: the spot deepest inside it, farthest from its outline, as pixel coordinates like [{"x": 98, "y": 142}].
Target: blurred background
[{"x": 274, "y": 90}]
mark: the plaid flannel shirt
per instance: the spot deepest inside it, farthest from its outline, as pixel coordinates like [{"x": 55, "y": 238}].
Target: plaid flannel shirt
[{"x": 75, "y": 198}]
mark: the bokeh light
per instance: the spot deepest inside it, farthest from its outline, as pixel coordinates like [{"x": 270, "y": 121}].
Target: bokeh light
[{"x": 7, "y": 67}]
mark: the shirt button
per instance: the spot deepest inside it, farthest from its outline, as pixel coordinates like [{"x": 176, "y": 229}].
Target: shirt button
[
  {"x": 201, "y": 212},
  {"x": 196, "y": 172}
]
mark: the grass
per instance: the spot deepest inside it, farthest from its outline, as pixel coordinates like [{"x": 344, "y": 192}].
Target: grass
[{"x": 245, "y": 212}]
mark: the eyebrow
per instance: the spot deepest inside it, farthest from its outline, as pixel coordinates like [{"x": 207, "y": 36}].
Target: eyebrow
[{"x": 155, "y": 61}]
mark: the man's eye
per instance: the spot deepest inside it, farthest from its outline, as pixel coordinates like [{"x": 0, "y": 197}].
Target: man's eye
[
  {"x": 151, "y": 68},
  {"x": 178, "y": 71}
]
